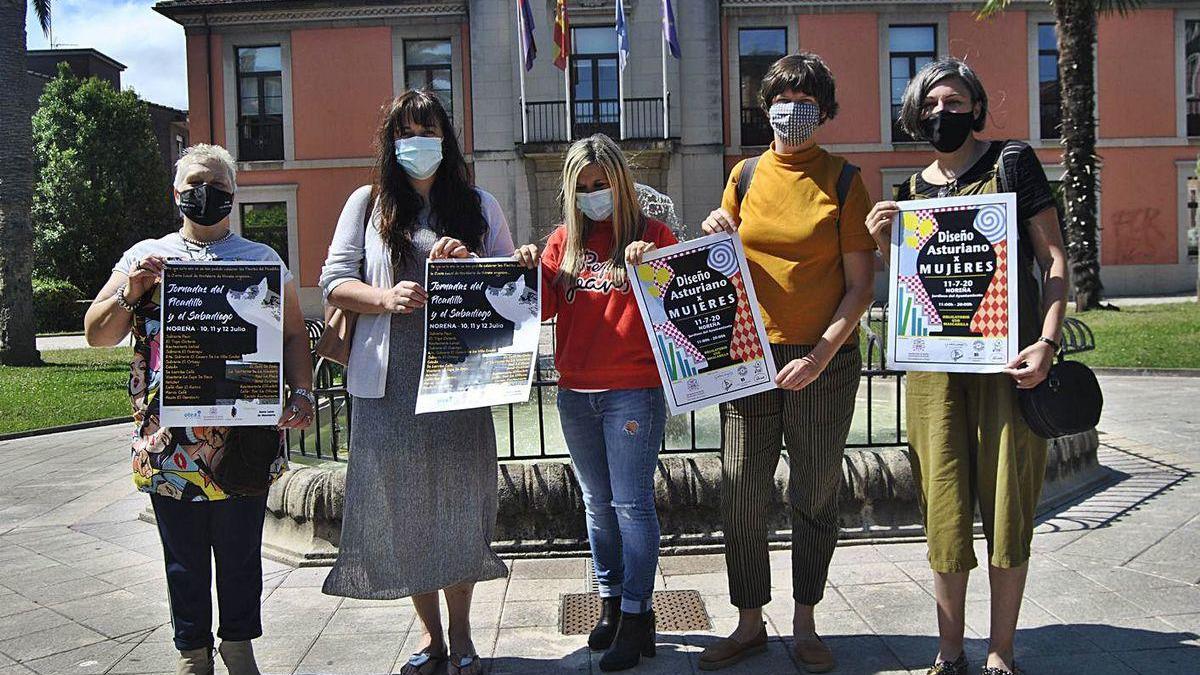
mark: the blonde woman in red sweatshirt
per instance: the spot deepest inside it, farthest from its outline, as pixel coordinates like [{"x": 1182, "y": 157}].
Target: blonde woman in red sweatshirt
[{"x": 610, "y": 398}]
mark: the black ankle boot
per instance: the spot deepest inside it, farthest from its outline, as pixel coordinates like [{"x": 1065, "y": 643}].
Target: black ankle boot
[
  {"x": 606, "y": 628},
  {"x": 635, "y": 639}
]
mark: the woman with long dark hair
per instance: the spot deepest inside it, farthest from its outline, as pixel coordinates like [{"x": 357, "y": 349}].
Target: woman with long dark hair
[{"x": 420, "y": 489}]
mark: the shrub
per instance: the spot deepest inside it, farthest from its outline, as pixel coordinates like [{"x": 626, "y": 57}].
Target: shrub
[{"x": 56, "y": 305}]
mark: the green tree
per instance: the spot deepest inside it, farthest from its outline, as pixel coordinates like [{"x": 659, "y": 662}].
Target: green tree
[
  {"x": 1076, "y": 21},
  {"x": 18, "y": 341},
  {"x": 101, "y": 185}
]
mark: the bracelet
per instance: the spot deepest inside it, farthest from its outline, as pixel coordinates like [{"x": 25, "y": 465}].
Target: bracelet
[
  {"x": 121, "y": 301},
  {"x": 1050, "y": 342},
  {"x": 306, "y": 395}
]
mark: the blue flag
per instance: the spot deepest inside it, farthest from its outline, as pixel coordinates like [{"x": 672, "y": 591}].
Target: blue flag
[
  {"x": 622, "y": 35},
  {"x": 669, "y": 33},
  {"x": 528, "y": 46}
]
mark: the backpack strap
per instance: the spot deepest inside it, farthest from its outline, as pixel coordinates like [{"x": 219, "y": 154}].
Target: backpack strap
[
  {"x": 745, "y": 177},
  {"x": 1010, "y": 148},
  {"x": 845, "y": 180}
]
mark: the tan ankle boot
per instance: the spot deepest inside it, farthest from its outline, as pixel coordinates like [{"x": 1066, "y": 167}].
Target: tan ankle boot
[
  {"x": 238, "y": 657},
  {"x": 195, "y": 662}
]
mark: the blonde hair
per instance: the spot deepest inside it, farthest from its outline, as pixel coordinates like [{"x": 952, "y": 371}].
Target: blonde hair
[
  {"x": 212, "y": 156},
  {"x": 627, "y": 220}
]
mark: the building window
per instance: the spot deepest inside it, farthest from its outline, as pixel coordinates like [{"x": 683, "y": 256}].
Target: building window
[
  {"x": 1049, "y": 89},
  {"x": 427, "y": 65},
  {"x": 1193, "y": 217},
  {"x": 1191, "y": 31},
  {"x": 267, "y": 223},
  {"x": 758, "y": 48},
  {"x": 260, "y": 103},
  {"x": 594, "y": 83},
  {"x": 909, "y": 48}
]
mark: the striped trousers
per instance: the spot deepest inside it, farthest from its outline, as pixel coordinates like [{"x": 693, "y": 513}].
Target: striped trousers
[{"x": 813, "y": 423}]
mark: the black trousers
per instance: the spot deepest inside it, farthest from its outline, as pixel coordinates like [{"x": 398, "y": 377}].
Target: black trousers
[{"x": 193, "y": 533}]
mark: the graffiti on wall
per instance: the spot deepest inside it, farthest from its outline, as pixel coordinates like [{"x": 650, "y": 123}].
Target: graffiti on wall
[{"x": 1142, "y": 236}]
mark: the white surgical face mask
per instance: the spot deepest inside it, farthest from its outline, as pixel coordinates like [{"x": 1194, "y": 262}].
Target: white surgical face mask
[
  {"x": 794, "y": 122},
  {"x": 596, "y": 205},
  {"x": 419, "y": 156}
]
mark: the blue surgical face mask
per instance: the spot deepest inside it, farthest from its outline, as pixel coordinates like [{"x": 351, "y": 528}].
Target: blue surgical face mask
[
  {"x": 419, "y": 156},
  {"x": 596, "y": 205}
]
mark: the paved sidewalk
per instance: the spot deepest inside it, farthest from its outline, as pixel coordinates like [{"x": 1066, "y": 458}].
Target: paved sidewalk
[
  {"x": 1114, "y": 587},
  {"x": 49, "y": 342},
  {"x": 1134, "y": 300}
]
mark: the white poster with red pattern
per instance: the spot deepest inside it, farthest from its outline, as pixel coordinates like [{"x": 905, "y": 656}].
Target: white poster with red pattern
[
  {"x": 698, "y": 304},
  {"x": 951, "y": 299}
]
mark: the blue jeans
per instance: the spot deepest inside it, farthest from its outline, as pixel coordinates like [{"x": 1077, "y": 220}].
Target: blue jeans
[
  {"x": 193, "y": 534},
  {"x": 614, "y": 437}
]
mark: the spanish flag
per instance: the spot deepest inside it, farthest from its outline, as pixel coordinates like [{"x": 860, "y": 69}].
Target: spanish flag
[{"x": 562, "y": 36}]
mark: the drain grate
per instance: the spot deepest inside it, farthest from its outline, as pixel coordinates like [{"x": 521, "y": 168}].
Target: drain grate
[{"x": 674, "y": 611}]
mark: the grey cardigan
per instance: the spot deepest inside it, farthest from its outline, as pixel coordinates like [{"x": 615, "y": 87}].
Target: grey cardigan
[{"x": 359, "y": 252}]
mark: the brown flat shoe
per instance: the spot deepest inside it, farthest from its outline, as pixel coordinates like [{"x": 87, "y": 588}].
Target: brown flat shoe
[
  {"x": 727, "y": 651},
  {"x": 814, "y": 656}
]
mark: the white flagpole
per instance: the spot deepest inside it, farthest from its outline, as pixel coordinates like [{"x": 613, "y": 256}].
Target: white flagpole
[
  {"x": 521, "y": 69},
  {"x": 621, "y": 97},
  {"x": 621, "y": 71},
  {"x": 567, "y": 79},
  {"x": 666, "y": 111}
]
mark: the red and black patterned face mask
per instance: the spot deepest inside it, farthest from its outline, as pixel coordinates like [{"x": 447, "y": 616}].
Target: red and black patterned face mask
[{"x": 794, "y": 122}]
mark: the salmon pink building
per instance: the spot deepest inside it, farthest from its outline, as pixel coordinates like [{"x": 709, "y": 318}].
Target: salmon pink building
[{"x": 295, "y": 89}]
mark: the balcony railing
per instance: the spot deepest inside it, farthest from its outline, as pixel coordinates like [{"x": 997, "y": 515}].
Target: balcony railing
[
  {"x": 260, "y": 139},
  {"x": 756, "y": 130},
  {"x": 547, "y": 121}
]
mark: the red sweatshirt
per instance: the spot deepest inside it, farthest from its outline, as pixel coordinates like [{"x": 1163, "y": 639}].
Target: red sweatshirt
[{"x": 600, "y": 342}]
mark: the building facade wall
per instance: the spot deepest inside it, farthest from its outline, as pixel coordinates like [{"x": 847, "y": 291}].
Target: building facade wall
[{"x": 341, "y": 72}]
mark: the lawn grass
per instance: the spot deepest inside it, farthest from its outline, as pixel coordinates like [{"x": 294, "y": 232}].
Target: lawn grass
[
  {"x": 75, "y": 385},
  {"x": 1144, "y": 336}
]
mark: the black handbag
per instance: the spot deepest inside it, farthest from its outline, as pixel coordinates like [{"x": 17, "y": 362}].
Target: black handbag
[
  {"x": 1068, "y": 401},
  {"x": 245, "y": 466}
]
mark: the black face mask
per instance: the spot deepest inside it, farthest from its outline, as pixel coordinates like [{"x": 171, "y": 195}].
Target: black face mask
[
  {"x": 946, "y": 130},
  {"x": 205, "y": 204}
]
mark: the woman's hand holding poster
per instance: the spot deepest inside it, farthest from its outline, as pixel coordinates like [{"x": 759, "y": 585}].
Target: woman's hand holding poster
[
  {"x": 952, "y": 301},
  {"x": 700, "y": 311}
]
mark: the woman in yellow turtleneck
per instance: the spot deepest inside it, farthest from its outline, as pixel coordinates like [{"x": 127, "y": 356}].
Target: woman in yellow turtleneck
[{"x": 802, "y": 223}]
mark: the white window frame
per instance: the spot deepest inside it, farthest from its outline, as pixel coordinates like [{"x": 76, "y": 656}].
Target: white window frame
[
  {"x": 256, "y": 194},
  {"x": 1035, "y": 110},
  {"x": 892, "y": 176},
  {"x": 451, "y": 32},
  {"x": 886, "y": 20},
  {"x": 1182, "y": 16},
  {"x": 735, "y": 25},
  {"x": 1184, "y": 169},
  {"x": 229, "y": 44}
]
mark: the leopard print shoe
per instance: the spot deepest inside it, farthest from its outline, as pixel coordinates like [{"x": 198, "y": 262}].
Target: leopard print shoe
[
  {"x": 992, "y": 670},
  {"x": 956, "y": 667}
]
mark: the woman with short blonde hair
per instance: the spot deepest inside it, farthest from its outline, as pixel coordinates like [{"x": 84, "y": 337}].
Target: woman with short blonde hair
[{"x": 179, "y": 467}]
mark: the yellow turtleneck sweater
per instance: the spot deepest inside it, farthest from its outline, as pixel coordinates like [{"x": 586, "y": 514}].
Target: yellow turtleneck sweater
[{"x": 793, "y": 244}]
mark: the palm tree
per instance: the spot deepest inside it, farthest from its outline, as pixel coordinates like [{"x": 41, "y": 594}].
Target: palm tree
[
  {"x": 1076, "y": 75},
  {"x": 18, "y": 342}
]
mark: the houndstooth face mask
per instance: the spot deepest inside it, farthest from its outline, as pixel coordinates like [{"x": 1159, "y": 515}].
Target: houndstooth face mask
[{"x": 794, "y": 122}]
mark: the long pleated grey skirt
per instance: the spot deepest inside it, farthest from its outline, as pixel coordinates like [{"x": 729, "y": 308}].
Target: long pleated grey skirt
[{"x": 420, "y": 489}]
